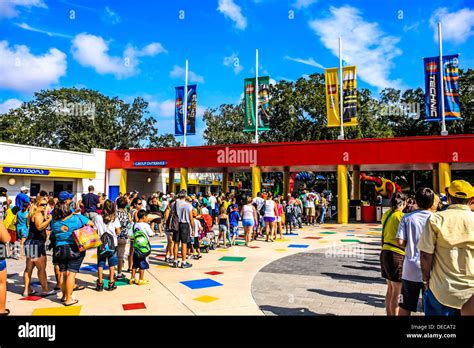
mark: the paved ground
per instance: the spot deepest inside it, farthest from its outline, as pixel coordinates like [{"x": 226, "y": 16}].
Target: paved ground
[{"x": 291, "y": 276}]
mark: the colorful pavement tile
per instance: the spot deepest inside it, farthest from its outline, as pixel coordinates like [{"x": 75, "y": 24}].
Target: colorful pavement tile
[{"x": 201, "y": 283}]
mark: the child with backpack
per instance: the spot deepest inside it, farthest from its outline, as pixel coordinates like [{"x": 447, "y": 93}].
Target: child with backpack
[
  {"x": 141, "y": 247},
  {"x": 234, "y": 218},
  {"x": 223, "y": 220},
  {"x": 108, "y": 228},
  {"x": 195, "y": 246}
]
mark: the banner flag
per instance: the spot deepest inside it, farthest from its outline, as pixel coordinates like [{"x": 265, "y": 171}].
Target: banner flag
[
  {"x": 263, "y": 104},
  {"x": 349, "y": 101},
  {"x": 332, "y": 97},
  {"x": 191, "y": 113},
  {"x": 452, "y": 109}
]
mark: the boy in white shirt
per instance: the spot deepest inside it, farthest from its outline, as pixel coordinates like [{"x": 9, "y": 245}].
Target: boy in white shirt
[
  {"x": 139, "y": 262},
  {"x": 195, "y": 237}
]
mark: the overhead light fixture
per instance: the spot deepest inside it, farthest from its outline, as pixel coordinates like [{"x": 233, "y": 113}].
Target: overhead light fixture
[
  {"x": 148, "y": 179},
  {"x": 11, "y": 181}
]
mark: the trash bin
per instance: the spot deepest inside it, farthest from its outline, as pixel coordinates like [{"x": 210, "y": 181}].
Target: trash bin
[{"x": 369, "y": 213}]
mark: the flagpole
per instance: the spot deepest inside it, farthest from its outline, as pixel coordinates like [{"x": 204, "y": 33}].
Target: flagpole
[
  {"x": 185, "y": 103},
  {"x": 441, "y": 78},
  {"x": 341, "y": 108},
  {"x": 256, "y": 96}
]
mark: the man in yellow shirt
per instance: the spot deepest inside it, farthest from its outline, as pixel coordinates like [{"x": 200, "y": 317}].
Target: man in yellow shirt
[{"x": 447, "y": 255}]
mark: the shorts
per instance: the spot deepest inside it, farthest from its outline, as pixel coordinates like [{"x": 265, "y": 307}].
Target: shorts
[
  {"x": 54, "y": 257},
  {"x": 111, "y": 260},
  {"x": 195, "y": 241},
  {"x": 432, "y": 306},
  {"x": 13, "y": 236},
  {"x": 69, "y": 257},
  {"x": 410, "y": 295},
  {"x": 3, "y": 265},
  {"x": 139, "y": 262},
  {"x": 269, "y": 219},
  {"x": 234, "y": 231},
  {"x": 278, "y": 219},
  {"x": 248, "y": 223},
  {"x": 183, "y": 234},
  {"x": 121, "y": 247},
  {"x": 223, "y": 228},
  {"x": 310, "y": 211},
  {"x": 391, "y": 264},
  {"x": 22, "y": 232},
  {"x": 35, "y": 248}
]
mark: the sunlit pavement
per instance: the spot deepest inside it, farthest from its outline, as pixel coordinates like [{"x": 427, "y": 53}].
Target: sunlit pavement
[{"x": 329, "y": 269}]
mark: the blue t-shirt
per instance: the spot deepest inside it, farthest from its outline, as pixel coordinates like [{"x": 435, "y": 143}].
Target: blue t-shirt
[
  {"x": 21, "y": 219},
  {"x": 234, "y": 217},
  {"x": 410, "y": 229},
  {"x": 20, "y": 199},
  {"x": 62, "y": 229},
  {"x": 90, "y": 202}
]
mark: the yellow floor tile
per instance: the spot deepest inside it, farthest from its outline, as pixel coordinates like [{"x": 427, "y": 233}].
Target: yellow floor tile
[
  {"x": 281, "y": 249},
  {"x": 205, "y": 299},
  {"x": 63, "y": 310}
]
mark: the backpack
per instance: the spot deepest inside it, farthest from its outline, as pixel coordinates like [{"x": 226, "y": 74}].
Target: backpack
[
  {"x": 107, "y": 248},
  {"x": 262, "y": 209},
  {"x": 141, "y": 244},
  {"x": 172, "y": 224}
]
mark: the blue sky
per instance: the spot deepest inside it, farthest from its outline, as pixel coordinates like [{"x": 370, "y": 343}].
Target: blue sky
[{"x": 138, "y": 48}]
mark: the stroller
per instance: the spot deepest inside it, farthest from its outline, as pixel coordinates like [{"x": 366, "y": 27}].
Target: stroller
[{"x": 206, "y": 236}]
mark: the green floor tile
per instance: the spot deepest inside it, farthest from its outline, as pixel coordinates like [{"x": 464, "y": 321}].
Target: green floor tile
[
  {"x": 117, "y": 282},
  {"x": 350, "y": 240},
  {"x": 239, "y": 242},
  {"x": 232, "y": 258},
  {"x": 327, "y": 232}
]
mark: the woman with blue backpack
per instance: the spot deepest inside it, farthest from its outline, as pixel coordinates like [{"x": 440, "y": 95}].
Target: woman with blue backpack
[{"x": 108, "y": 227}]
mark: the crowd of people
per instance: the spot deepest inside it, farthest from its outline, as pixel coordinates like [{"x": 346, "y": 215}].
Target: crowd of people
[
  {"x": 428, "y": 251},
  {"x": 426, "y": 245}
]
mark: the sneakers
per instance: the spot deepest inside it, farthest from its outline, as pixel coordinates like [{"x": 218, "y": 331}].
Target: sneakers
[
  {"x": 197, "y": 257},
  {"x": 99, "y": 286},
  {"x": 111, "y": 286},
  {"x": 175, "y": 264},
  {"x": 143, "y": 282},
  {"x": 186, "y": 265},
  {"x": 132, "y": 281},
  {"x": 120, "y": 276}
]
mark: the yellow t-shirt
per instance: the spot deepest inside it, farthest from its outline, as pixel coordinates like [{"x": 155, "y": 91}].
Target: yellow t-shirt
[
  {"x": 226, "y": 205},
  {"x": 449, "y": 236},
  {"x": 390, "y": 231},
  {"x": 9, "y": 221}
]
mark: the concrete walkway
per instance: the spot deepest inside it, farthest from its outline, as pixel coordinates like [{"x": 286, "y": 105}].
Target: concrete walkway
[{"x": 235, "y": 281}]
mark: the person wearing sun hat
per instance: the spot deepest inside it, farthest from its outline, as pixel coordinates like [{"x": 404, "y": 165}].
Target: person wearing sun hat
[{"x": 447, "y": 255}]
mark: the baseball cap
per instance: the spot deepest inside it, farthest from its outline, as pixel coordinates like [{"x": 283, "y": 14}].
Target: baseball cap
[
  {"x": 461, "y": 189},
  {"x": 182, "y": 194},
  {"x": 64, "y": 195},
  {"x": 24, "y": 188}
]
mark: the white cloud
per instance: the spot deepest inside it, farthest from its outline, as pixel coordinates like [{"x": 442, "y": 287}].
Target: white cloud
[
  {"x": 457, "y": 26},
  {"x": 233, "y": 11},
  {"x": 36, "y": 30},
  {"x": 25, "y": 72},
  {"x": 310, "y": 61},
  {"x": 299, "y": 4},
  {"x": 272, "y": 82},
  {"x": 92, "y": 51},
  {"x": 111, "y": 16},
  {"x": 162, "y": 109},
  {"x": 8, "y": 8},
  {"x": 234, "y": 62},
  {"x": 413, "y": 27},
  {"x": 363, "y": 44},
  {"x": 179, "y": 73},
  {"x": 9, "y": 104}
]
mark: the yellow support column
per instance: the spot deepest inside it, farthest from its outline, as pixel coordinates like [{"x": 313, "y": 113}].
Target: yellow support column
[
  {"x": 123, "y": 181},
  {"x": 286, "y": 181},
  {"x": 171, "y": 183},
  {"x": 184, "y": 179},
  {"x": 342, "y": 203},
  {"x": 444, "y": 176},
  {"x": 225, "y": 180},
  {"x": 356, "y": 182},
  {"x": 256, "y": 178}
]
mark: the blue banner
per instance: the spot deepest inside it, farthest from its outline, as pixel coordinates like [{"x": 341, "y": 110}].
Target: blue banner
[
  {"x": 191, "y": 111},
  {"x": 433, "y": 88},
  {"x": 150, "y": 163},
  {"x": 25, "y": 171}
]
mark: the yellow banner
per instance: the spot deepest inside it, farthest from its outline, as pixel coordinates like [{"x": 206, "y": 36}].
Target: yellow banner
[
  {"x": 332, "y": 99},
  {"x": 332, "y": 95},
  {"x": 349, "y": 114}
]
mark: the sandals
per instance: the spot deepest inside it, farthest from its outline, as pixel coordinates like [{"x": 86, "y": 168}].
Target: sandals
[
  {"x": 79, "y": 288},
  {"x": 33, "y": 292},
  {"x": 49, "y": 293},
  {"x": 4, "y": 314},
  {"x": 72, "y": 303}
]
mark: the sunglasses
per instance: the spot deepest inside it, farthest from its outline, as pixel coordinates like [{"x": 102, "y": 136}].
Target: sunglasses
[
  {"x": 139, "y": 203},
  {"x": 43, "y": 205}
]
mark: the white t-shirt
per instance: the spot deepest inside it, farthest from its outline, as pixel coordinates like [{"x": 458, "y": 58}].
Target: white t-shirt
[
  {"x": 212, "y": 200},
  {"x": 197, "y": 227},
  {"x": 309, "y": 199},
  {"x": 248, "y": 212},
  {"x": 143, "y": 204},
  {"x": 259, "y": 201},
  {"x": 269, "y": 208},
  {"x": 107, "y": 228},
  {"x": 145, "y": 227},
  {"x": 205, "y": 211}
]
